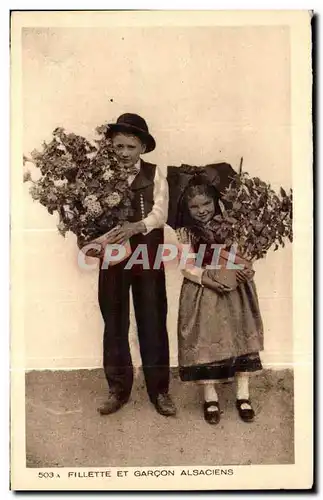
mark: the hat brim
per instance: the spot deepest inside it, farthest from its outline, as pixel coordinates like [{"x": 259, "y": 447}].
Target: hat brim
[{"x": 145, "y": 137}]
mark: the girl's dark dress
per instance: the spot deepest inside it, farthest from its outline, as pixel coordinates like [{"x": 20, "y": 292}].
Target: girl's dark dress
[{"x": 218, "y": 334}]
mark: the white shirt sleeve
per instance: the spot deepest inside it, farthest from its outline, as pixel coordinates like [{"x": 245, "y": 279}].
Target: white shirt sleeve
[
  {"x": 158, "y": 216},
  {"x": 191, "y": 272},
  {"x": 194, "y": 274}
]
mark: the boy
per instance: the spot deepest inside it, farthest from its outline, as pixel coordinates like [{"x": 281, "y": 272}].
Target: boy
[{"x": 131, "y": 138}]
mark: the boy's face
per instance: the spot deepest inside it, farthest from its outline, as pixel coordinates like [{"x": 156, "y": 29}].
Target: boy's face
[
  {"x": 128, "y": 148},
  {"x": 201, "y": 208}
]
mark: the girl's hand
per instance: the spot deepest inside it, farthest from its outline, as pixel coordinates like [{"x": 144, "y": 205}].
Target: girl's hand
[
  {"x": 214, "y": 285},
  {"x": 244, "y": 275}
]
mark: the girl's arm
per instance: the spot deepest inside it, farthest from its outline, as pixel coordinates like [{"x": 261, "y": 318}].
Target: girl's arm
[
  {"x": 192, "y": 272},
  {"x": 187, "y": 265}
]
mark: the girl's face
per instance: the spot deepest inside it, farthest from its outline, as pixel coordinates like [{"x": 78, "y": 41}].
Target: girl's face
[{"x": 201, "y": 208}]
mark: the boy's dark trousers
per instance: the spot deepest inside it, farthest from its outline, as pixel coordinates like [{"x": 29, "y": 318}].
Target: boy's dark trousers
[{"x": 150, "y": 305}]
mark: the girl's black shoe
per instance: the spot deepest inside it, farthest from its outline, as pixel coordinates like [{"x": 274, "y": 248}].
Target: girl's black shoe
[
  {"x": 211, "y": 412},
  {"x": 246, "y": 414}
]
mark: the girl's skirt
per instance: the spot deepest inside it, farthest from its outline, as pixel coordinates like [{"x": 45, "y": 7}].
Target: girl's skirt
[{"x": 218, "y": 334}]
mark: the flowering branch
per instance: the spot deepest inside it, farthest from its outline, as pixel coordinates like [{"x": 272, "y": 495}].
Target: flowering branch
[
  {"x": 81, "y": 182},
  {"x": 255, "y": 217}
]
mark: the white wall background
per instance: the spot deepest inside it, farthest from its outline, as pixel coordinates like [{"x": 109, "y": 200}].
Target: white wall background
[{"x": 208, "y": 94}]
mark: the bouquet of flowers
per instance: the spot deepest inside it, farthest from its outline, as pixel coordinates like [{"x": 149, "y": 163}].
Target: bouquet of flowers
[
  {"x": 81, "y": 182},
  {"x": 254, "y": 217}
]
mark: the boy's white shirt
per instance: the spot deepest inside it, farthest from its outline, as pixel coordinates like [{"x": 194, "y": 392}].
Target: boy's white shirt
[{"x": 157, "y": 217}]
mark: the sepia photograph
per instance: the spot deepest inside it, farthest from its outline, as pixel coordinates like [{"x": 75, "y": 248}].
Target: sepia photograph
[{"x": 161, "y": 213}]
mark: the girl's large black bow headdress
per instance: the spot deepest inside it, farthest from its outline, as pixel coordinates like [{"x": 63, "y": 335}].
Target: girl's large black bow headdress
[{"x": 218, "y": 175}]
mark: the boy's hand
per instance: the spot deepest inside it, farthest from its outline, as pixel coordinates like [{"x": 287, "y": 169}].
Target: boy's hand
[
  {"x": 120, "y": 235},
  {"x": 95, "y": 253},
  {"x": 90, "y": 252}
]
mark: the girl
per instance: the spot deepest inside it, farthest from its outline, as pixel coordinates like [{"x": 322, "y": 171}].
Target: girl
[{"x": 220, "y": 331}]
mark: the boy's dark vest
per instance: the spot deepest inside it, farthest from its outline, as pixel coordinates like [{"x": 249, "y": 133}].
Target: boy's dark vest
[
  {"x": 142, "y": 203},
  {"x": 143, "y": 191}
]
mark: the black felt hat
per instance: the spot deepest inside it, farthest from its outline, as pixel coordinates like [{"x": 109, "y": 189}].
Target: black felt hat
[{"x": 131, "y": 123}]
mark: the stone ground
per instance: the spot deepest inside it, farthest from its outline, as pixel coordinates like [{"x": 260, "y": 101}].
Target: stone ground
[{"x": 63, "y": 428}]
